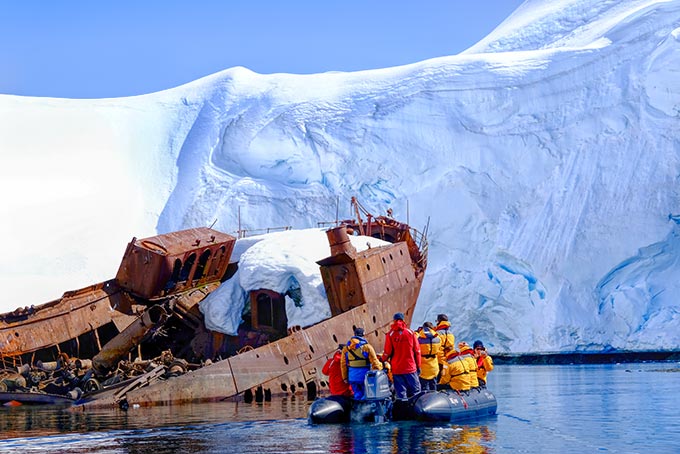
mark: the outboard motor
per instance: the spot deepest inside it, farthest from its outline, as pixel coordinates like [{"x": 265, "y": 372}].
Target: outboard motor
[
  {"x": 378, "y": 386},
  {"x": 377, "y": 405}
]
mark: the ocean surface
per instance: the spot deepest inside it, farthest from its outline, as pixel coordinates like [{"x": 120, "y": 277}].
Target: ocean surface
[{"x": 616, "y": 408}]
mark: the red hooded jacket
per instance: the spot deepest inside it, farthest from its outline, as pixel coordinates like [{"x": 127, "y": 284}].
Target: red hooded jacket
[
  {"x": 337, "y": 385},
  {"x": 401, "y": 349}
]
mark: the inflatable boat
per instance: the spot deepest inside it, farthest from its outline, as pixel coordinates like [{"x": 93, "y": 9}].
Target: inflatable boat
[{"x": 379, "y": 406}]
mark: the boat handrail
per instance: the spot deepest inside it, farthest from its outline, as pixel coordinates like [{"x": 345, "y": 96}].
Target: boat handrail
[
  {"x": 242, "y": 233},
  {"x": 421, "y": 242}
]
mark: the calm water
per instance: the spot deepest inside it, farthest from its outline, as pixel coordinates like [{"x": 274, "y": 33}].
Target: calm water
[{"x": 627, "y": 408}]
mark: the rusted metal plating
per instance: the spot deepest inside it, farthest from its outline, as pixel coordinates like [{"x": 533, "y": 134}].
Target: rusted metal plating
[{"x": 174, "y": 262}]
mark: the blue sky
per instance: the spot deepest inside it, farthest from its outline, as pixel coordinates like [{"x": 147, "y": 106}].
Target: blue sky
[{"x": 93, "y": 49}]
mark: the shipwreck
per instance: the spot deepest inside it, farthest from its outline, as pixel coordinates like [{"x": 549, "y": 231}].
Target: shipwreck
[{"x": 140, "y": 338}]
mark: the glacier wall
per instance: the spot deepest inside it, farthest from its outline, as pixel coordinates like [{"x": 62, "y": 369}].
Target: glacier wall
[{"x": 545, "y": 158}]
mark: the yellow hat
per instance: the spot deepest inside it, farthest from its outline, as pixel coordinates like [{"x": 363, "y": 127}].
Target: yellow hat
[{"x": 463, "y": 346}]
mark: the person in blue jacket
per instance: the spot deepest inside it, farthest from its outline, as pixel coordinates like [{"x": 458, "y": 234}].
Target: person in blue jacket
[{"x": 358, "y": 357}]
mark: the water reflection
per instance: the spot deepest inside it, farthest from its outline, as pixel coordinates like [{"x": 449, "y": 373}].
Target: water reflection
[
  {"x": 43, "y": 420},
  {"x": 471, "y": 440},
  {"x": 272, "y": 427},
  {"x": 411, "y": 437}
]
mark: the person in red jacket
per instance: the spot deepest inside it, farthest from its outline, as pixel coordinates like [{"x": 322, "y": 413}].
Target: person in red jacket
[
  {"x": 336, "y": 384},
  {"x": 403, "y": 353}
]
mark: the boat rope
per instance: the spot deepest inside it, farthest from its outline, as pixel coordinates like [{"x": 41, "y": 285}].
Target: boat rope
[{"x": 465, "y": 404}]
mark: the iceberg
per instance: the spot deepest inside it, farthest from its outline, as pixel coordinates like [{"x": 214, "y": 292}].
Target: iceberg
[{"x": 545, "y": 158}]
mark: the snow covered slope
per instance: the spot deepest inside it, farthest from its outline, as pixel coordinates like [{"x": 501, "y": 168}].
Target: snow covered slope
[{"x": 546, "y": 156}]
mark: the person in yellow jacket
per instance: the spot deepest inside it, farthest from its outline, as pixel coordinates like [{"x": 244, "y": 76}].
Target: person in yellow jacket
[
  {"x": 468, "y": 355},
  {"x": 357, "y": 358},
  {"x": 430, "y": 346},
  {"x": 443, "y": 329},
  {"x": 484, "y": 362},
  {"x": 455, "y": 373}
]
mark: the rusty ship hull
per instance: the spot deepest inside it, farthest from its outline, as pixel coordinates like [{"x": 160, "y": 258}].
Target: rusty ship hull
[
  {"x": 151, "y": 309},
  {"x": 291, "y": 365}
]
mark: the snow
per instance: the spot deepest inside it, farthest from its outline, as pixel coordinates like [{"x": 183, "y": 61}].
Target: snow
[
  {"x": 280, "y": 261},
  {"x": 545, "y": 156}
]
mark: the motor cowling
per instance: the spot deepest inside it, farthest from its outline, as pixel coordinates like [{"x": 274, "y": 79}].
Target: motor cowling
[{"x": 377, "y": 385}]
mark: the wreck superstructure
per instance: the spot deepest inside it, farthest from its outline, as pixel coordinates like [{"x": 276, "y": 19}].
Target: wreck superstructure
[
  {"x": 150, "y": 310},
  {"x": 174, "y": 270}
]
